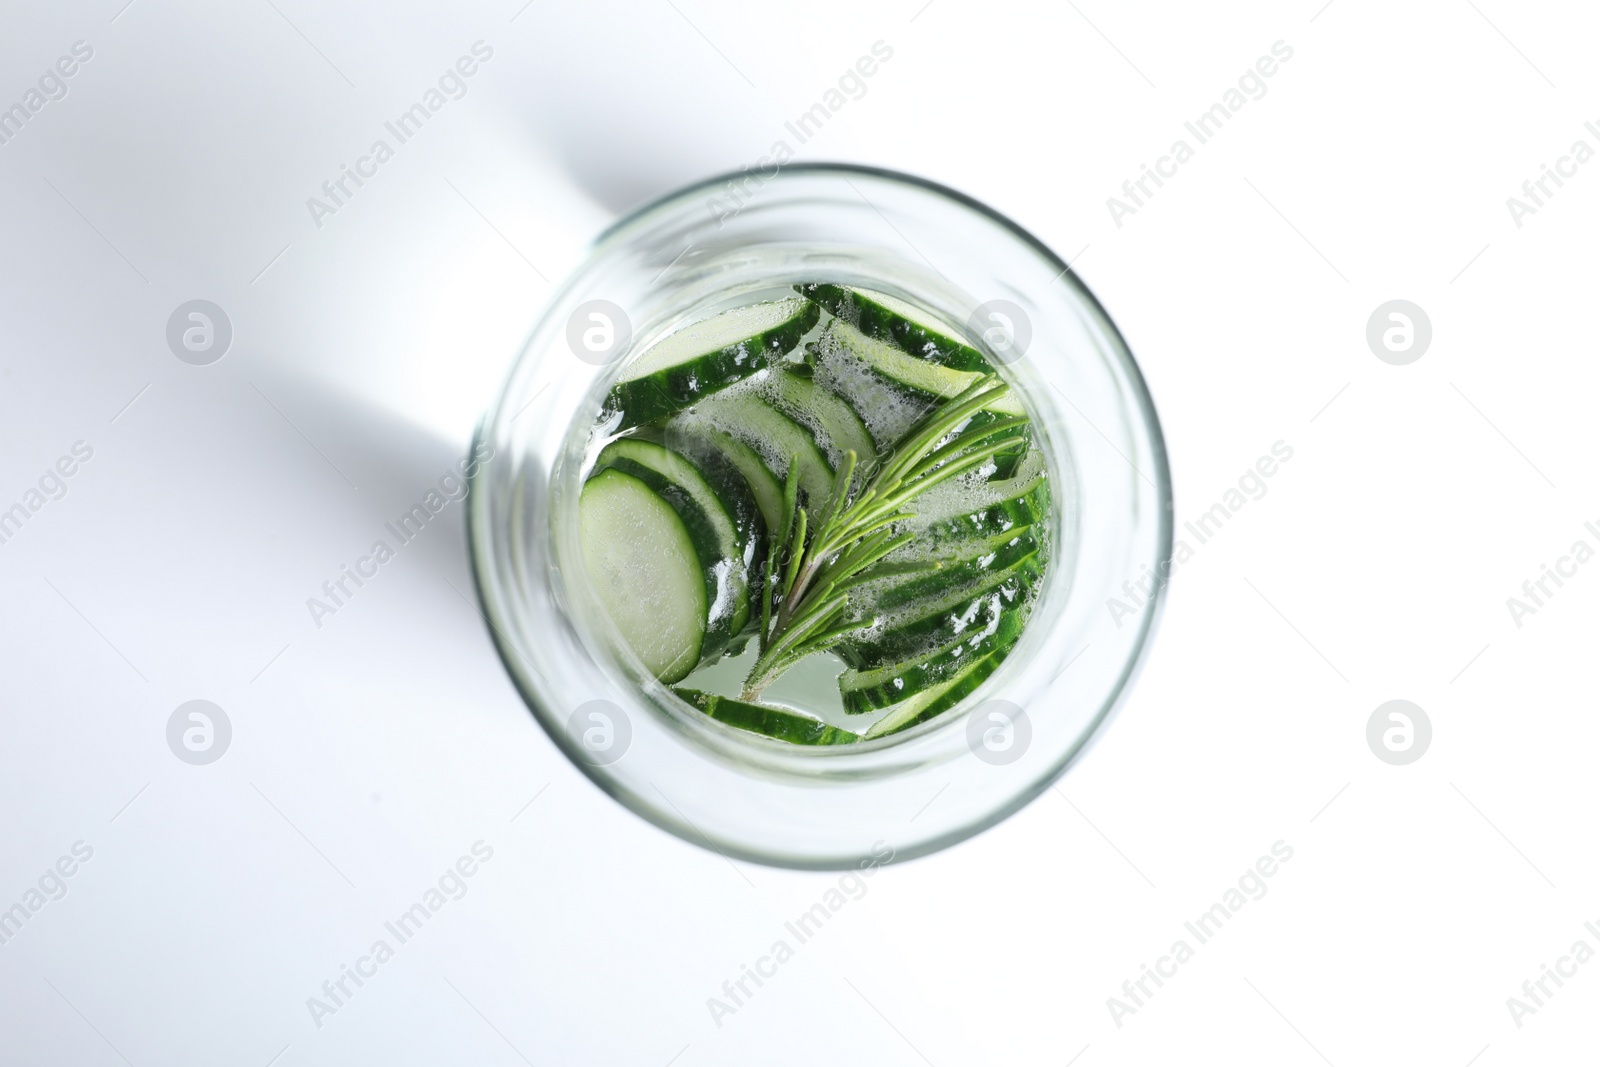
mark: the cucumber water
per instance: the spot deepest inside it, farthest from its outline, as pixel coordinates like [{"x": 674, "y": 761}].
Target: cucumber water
[{"x": 823, "y": 513}]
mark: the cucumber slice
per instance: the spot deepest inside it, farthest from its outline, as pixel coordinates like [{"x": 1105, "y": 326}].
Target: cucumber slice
[
  {"x": 706, "y": 357},
  {"x": 748, "y": 418},
  {"x": 905, "y": 578},
  {"x": 1006, "y": 462},
  {"x": 958, "y": 511},
  {"x": 944, "y": 618},
  {"x": 723, "y": 528},
  {"x": 833, "y": 422},
  {"x": 934, "y": 381},
  {"x": 882, "y": 687},
  {"x": 778, "y": 723},
  {"x": 887, "y": 318},
  {"x": 843, "y": 361},
  {"x": 766, "y": 487},
  {"x": 644, "y": 567},
  {"x": 889, "y": 410},
  {"x": 937, "y": 699}
]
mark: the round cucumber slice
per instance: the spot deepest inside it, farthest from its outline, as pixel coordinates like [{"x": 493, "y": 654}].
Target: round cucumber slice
[
  {"x": 765, "y": 486},
  {"x": 882, "y": 687},
  {"x": 747, "y": 417},
  {"x": 904, "y": 580},
  {"x": 778, "y": 723},
  {"x": 938, "y": 619},
  {"x": 889, "y": 410},
  {"x": 724, "y": 532},
  {"x": 937, "y": 699},
  {"x": 890, "y": 319},
  {"x": 892, "y": 409},
  {"x": 956, "y": 511},
  {"x": 832, "y": 421},
  {"x": 706, "y": 357},
  {"x": 934, "y": 381},
  {"x": 644, "y": 567}
]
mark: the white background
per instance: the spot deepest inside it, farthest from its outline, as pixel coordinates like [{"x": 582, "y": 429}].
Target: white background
[{"x": 369, "y": 754}]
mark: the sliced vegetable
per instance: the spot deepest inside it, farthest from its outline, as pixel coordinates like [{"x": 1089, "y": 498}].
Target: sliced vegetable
[
  {"x": 723, "y": 528},
  {"x": 888, "y": 318},
  {"x": 778, "y": 723},
  {"x": 693, "y": 440},
  {"x": 961, "y": 512},
  {"x": 941, "y": 618},
  {"x": 705, "y": 358},
  {"x": 937, "y": 699},
  {"x": 904, "y": 578},
  {"x": 644, "y": 566},
  {"x": 935, "y": 380},
  {"x": 888, "y": 409},
  {"x": 747, "y": 417},
  {"x": 882, "y": 687},
  {"x": 832, "y": 421},
  {"x": 892, "y": 391}
]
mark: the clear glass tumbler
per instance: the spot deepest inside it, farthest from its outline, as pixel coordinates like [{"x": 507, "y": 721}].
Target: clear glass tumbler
[{"x": 733, "y": 240}]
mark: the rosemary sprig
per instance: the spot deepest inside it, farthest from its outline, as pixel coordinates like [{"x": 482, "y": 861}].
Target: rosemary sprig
[{"x": 806, "y": 603}]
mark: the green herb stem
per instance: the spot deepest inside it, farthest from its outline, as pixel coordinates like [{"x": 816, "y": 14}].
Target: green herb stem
[{"x": 850, "y": 535}]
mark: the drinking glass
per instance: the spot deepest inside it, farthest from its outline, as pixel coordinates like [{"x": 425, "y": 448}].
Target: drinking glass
[{"x": 729, "y": 242}]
